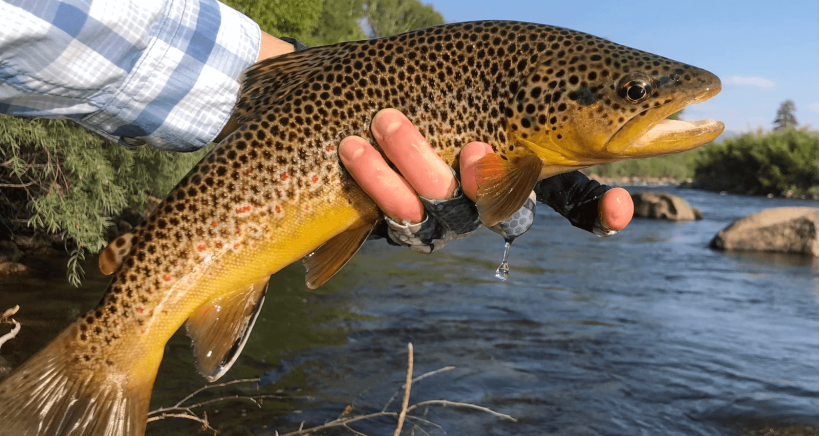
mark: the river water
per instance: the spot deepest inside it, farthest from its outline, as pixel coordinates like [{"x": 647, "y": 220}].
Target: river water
[{"x": 647, "y": 332}]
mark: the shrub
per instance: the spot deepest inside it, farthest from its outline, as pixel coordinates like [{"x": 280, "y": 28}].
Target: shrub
[
  {"x": 760, "y": 164},
  {"x": 59, "y": 179}
]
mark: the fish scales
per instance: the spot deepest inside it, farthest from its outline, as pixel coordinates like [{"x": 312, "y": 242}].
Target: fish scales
[{"x": 274, "y": 190}]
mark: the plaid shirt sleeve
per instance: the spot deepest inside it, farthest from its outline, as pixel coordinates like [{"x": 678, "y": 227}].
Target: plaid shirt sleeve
[{"x": 159, "y": 71}]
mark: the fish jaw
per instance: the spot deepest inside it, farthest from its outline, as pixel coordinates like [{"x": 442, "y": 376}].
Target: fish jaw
[{"x": 655, "y": 135}]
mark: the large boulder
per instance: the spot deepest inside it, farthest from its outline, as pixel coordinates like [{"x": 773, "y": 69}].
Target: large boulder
[
  {"x": 783, "y": 230},
  {"x": 661, "y": 205}
]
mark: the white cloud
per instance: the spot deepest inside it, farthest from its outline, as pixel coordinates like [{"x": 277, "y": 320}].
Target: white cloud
[
  {"x": 814, "y": 106},
  {"x": 759, "y": 82}
]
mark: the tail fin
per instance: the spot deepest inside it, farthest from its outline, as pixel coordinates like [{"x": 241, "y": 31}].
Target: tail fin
[{"x": 49, "y": 395}]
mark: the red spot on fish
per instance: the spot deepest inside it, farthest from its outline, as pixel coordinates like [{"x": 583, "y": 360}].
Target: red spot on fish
[
  {"x": 143, "y": 331},
  {"x": 244, "y": 191},
  {"x": 315, "y": 179},
  {"x": 116, "y": 322},
  {"x": 306, "y": 207},
  {"x": 447, "y": 131},
  {"x": 439, "y": 98},
  {"x": 176, "y": 263},
  {"x": 278, "y": 209},
  {"x": 254, "y": 245},
  {"x": 150, "y": 291},
  {"x": 167, "y": 277},
  {"x": 330, "y": 148},
  {"x": 237, "y": 245},
  {"x": 262, "y": 214},
  {"x": 140, "y": 309},
  {"x": 244, "y": 209},
  {"x": 238, "y": 229},
  {"x": 284, "y": 176},
  {"x": 214, "y": 224},
  {"x": 218, "y": 245},
  {"x": 201, "y": 247}
]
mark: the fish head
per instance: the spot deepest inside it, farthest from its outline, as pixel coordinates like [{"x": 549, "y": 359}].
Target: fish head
[{"x": 590, "y": 101}]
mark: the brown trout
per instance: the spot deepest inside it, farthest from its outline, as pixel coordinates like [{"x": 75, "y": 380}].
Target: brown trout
[{"x": 548, "y": 100}]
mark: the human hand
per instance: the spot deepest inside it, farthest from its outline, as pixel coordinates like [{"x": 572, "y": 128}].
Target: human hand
[{"x": 426, "y": 184}]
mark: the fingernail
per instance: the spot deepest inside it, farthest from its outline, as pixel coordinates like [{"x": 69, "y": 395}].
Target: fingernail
[
  {"x": 386, "y": 122},
  {"x": 350, "y": 149}
]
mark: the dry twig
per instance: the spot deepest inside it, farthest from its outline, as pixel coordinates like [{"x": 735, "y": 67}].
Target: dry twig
[
  {"x": 6, "y": 318},
  {"x": 180, "y": 410}
]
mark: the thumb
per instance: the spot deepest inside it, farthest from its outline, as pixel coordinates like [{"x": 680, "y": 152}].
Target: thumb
[{"x": 615, "y": 209}]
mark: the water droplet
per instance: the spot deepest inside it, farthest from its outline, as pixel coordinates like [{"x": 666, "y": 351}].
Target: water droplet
[{"x": 502, "y": 272}]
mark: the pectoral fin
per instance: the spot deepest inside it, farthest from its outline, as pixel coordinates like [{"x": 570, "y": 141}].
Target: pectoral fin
[
  {"x": 504, "y": 186},
  {"x": 220, "y": 329},
  {"x": 116, "y": 251},
  {"x": 328, "y": 259}
]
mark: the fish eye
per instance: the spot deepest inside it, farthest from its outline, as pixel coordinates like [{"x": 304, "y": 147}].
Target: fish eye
[{"x": 635, "y": 89}]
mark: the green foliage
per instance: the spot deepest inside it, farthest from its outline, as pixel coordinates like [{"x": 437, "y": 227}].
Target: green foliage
[
  {"x": 785, "y": 116},
  {"x": 677, "y": 166},
  {"x": 59, "y": 179},
  {"x": 389, "y": 17},
  {"x": 760, "y": 164},
  {"x": 323, "y": 22},
  {"x": 339, "y": 22},
  {"x": 294, "y": 18}
]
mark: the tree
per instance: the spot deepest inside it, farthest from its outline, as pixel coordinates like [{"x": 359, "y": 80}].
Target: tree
[
  {"x": 389, "y": 17},
  {"x": 785, "y": 116}
]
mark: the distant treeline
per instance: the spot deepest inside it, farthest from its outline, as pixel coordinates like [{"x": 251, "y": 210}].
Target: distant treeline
[{"x": 777, "y": 163}]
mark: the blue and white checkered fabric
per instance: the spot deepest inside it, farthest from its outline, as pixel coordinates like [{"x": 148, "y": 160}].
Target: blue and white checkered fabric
[{"x": 162, "y": 71}]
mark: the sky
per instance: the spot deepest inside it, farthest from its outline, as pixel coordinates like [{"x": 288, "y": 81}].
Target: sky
[{"x": 763, "y": 53}]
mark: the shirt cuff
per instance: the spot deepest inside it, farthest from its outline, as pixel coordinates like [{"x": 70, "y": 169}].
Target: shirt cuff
[{"x": 183, "y": 89}]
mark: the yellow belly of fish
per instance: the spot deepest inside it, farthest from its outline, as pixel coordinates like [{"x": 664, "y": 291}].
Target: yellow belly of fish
[{"x": 284, "y": 241}]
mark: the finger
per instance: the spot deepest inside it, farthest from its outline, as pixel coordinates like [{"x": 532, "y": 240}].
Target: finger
[
  {"x": 407, "y": 149},
  {"x": 470, "y": 155},
  {"x": 389, "y": 190},
  {"x": 615, "y": 209}
]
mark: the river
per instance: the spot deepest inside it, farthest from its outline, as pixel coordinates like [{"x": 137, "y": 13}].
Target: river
[{"x": 647, "y": 332}]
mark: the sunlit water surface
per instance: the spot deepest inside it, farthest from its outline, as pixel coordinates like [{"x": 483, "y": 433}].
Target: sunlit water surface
[{"x": 648, "y": 332}]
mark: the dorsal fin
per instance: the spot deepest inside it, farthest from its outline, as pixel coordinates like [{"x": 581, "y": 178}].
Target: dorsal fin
[
  {"x": 220, "y": 328},
  {"x": 268, "y": 80},
  {"x": 328, "y": 259},
  {"x": 116, "y": 251},
  {"x": 504, "y": 186}
]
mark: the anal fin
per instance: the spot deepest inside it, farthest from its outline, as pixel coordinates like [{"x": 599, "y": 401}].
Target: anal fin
[
  {"x": 116, "y": 251},
  {"x": 328, "y": 259},
  {"x": 220, "y": 329},
  {"x": 504, "y": 186}
]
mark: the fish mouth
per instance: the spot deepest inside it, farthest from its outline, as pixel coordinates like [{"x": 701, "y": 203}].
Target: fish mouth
[{"x": 662, "y": 136}]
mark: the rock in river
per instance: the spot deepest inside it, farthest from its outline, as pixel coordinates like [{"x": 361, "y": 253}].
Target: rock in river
[
  {"x": 661, "y": 205},
  {"x": 783, "y": 229},
  {"x": 9, "y": 255}
]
